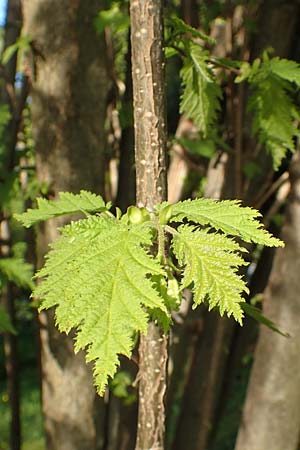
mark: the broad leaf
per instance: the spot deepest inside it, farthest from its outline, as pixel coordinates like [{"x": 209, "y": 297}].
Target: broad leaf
[
  {"x": 67, "y": 203},
  {"x": 99, "y": 276},
  {"x": 211, "y": 263}
]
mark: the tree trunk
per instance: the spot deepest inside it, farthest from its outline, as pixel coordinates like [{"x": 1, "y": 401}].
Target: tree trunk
[
  {"x": 12, "y": 372},
  {"x": 271, "y": 416},
  {"x": 126, "y": 178},
  {"x": 8, "y": 98},
  {"x": 150, "y": 155},
  {"x": 69, "y": 86}
]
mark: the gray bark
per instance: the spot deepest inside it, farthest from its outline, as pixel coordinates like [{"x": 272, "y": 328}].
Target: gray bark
[
  {"x": 68, "y": 88},
  {"x": 150, "y": 156},
  {"x": 271, "y": 417}
]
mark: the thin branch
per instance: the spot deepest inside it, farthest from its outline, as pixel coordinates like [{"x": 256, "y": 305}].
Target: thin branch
[{"x": 270, "y": 191}]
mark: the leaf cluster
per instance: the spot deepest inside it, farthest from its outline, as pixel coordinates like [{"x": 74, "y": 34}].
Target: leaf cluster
[
  {"x": 273, "y": 85},
  {"x": 109, "y": 275},
  {"x": 273, "y": 82},
  {"x": 200, "y": 99},
  {"x": 201, "y": 94}
]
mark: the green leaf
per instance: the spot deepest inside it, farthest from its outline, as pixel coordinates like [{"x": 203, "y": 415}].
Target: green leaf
[
  {"x": 204, "y": 147},
  {"x": 257, "y": 315},
  {"x": 273, "y": 118},
  {"x": 272, "y": 103},
  {"x": 113, "y": 17},
  {"x": 18, "y": 271},
  {"x": 286, "y": 69},
  {"x": 180, "y": 27},
  {"x": 23, "y": 43},
  {"x": 228, "y": 216},
  {"x": 120, "y": 387},
  {"x": 5, "y": 323},
  {"x": 210, "y": 262},
  {"x": 99, "y": 276},
  {"x": 67, "y": 203},
  {"x": 201, "y": 95}
]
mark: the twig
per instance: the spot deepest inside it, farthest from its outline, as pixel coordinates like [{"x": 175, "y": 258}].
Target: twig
[{"x": 267, "y": 194}]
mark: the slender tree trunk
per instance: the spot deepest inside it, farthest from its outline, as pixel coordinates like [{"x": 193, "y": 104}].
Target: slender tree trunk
[
  {"x": 126, "y": 178},
  {"x": 69, "y": 86},
  {"x": 8, "y": 97},
  {"x": 150, "y": 154},
  {"x": 12, "y": 372},
  {"x": 271, "y": 416}
]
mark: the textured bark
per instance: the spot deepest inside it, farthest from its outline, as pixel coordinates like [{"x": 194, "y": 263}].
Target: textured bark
[
  {"x": 69, "y": 86},
  {"x": 150, "y": 155},
  {"x": 271, "y": 416}
]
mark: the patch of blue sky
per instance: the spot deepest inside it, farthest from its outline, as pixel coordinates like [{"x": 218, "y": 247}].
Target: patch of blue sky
[{"x": 3, "y": 7}]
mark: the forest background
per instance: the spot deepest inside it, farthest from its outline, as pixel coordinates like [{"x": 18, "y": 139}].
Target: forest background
[{"x": 66, "y": 124}]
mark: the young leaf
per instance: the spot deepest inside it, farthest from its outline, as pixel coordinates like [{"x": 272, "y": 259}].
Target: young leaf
[
  {"x": 99, "y": 276},
  {"x": 67, "y": 203},
  {"x": 210, "y": 263},
  {"x": 228, "y": 216},
  {"x": 18, "y": 271},
  {"x": 201, "y": 96}
]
